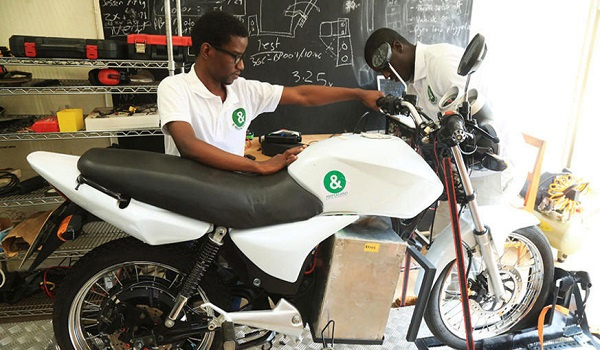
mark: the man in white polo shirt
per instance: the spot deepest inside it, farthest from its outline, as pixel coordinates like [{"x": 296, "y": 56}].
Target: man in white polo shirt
[
  {"x": 205, "y": 113},
  {"x": 430, "y": 71}
]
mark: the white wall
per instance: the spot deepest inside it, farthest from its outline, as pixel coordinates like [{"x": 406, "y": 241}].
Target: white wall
[
  {"x": 544, "y": 66},
  {"x": 534, "y": 51}
]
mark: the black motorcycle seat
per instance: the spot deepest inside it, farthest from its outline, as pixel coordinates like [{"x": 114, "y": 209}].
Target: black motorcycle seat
[{"x": 191, "y": 189}]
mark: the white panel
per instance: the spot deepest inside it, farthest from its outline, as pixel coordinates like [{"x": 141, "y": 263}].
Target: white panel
[
  {"x": 143, "y": 221},
  {"x": 280, "y": 250},
  {"x": 383, "y": 176}
]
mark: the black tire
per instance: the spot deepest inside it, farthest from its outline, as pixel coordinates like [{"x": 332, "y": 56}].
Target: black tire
[
  {"x": 155, "y": 268},
  {"x": 525, "y": 310}
]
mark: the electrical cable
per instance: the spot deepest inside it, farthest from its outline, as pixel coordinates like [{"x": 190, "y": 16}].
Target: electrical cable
[
  {"x": 13, "y": 182},
  {"x": 2, "y": 278},
  {"x": 359, "y": 120}
]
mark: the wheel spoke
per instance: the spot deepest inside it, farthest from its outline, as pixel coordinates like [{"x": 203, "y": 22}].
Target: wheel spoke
[
  {"x": 144, "y": 285},
  {"x": 521, "y": 268}
]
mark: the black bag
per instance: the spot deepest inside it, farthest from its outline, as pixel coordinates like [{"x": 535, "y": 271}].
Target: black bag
[{"x": 277, "y": 142}]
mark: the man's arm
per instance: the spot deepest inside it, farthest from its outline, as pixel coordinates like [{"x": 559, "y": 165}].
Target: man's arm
[
  {"x": 315, "y": 95},
  {"x": 191, "y": 147}
]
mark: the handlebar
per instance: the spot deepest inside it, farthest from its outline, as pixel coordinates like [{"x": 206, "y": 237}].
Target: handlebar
[
  {"x": 393, "y": 105},
  {"x": 454, "y": 127},
  {"x": 389, "y": 104}
]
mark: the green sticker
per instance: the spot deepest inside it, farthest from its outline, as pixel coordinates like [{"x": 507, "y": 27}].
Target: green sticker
[
  {"x": 239, "y": 117},
  {"x": 432, "y": 98},
  {"x": 334, "y": 181}
]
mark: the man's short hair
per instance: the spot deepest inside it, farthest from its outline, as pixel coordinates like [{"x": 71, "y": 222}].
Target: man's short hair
[
  {"x": 378, "y": 37},
  {"x": 216, "y": 28}
]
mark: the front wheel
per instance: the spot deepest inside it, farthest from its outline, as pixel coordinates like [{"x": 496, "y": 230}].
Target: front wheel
[
  {"x": 526, "y": 268},
  {"x": 119, "y": 295}
]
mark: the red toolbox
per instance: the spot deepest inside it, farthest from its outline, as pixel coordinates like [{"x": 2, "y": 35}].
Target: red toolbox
[
  {"x": 154, "y": 47},
  {"x": 52, "y": 47}
]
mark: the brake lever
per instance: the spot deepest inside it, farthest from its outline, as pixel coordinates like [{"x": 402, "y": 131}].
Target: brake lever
[{"x": 473, "y": 124}]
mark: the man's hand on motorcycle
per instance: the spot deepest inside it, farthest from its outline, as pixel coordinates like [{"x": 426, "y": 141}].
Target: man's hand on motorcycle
[
  {"x": 280, "y": 161},
  {"x": 369, "y": 98}
]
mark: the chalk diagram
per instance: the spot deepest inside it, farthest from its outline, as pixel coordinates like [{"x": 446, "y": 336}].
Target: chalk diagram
[
  {"x": 192, "y": 10},
  {"x": 335, "y": 35},
  {"x": 295, "y": 13}
]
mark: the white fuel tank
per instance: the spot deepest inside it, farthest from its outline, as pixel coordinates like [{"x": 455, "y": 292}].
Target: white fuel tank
[{"x": 368, "y": 174}]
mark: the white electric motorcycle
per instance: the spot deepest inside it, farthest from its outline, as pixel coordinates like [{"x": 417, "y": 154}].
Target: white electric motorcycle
[{"x": 221, "y": 259}]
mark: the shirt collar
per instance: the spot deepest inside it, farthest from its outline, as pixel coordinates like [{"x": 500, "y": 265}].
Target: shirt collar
[
  {"x": 196, "y": 84},
  {"x": 420, "y": 71},
  {"x": 198, "y": 87}
]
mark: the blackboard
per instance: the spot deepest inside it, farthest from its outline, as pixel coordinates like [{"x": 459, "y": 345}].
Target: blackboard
[{"x": 296, "y": 42}]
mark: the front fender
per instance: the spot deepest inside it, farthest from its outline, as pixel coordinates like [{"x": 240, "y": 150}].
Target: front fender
[{"x": 502, "y": 221}]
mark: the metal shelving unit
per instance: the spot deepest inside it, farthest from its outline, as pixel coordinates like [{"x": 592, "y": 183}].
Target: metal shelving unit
[
  {"x": 95, "y": 234},
  {"x": 42, "y": 136},
  {"x": 69, "y": 62},
  {"x": 38, "y": 197},
  {"x": 39, "y": 305},
  {"x": 69, "y": 87}
]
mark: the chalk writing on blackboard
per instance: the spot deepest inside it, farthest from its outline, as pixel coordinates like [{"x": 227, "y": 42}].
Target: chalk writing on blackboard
[
  {"x": 338, "y": 42},
  {"x": 294, "y": 42},
  {"x": 122, "y": 17}
]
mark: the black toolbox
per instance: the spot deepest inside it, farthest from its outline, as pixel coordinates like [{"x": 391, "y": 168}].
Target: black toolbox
[
  {"x": 154, "y": 47},
  {"x": 53, "y": 47}
]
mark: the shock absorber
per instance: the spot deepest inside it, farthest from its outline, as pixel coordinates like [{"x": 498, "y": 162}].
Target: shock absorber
[{"x": 208, "y": 253}]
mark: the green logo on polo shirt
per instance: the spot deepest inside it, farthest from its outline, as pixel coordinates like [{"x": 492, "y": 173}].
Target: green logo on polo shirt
[
  {"x": 432, "y": 98},
  {"x": 239, "y": 118}
]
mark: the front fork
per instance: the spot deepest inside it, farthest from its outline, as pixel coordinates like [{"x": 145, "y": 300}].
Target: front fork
[{"x": 482, "y": 233}]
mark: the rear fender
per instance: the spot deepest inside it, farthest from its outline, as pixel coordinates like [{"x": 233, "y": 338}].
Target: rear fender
[
  {"x": 502, "y": 221},
  {"x": 149, "y": 224}
]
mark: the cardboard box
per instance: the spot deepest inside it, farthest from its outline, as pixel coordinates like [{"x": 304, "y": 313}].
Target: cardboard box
[
  {"x": 97, "y": 121},
  {"x": 70, "y": 120}
]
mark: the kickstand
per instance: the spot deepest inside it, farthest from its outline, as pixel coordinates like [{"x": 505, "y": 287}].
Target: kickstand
[{"x": 325, "y": 345}]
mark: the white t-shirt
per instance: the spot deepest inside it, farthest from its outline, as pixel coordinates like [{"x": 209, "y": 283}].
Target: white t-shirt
[
  {"x": 183, "y": 97},
  {"x": 436, "y": 73}
]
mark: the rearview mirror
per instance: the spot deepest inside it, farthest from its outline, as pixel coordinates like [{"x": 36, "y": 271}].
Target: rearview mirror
[
  {"x": 381, "y": 56},
  {"x": 473, "y": 56},
  {"x": 381, "y": 60}
]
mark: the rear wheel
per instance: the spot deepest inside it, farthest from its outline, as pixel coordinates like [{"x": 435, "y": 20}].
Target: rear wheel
[
  {"x": 526, "y": 268},
  {"x": 118, "y": 296}
]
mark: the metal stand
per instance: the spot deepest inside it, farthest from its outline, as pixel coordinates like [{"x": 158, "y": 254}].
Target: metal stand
[{"x": 428, "y": 343}]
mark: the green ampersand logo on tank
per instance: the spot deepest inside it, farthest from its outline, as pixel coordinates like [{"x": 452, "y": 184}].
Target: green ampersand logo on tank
[
  {"x": 239, "y": 117},
  {"x": 334, "y": 181}
]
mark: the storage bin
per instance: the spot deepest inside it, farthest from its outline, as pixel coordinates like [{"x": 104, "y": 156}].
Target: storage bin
[
  {"x": 154, "y": 47},
  {"x": 70, "y": 120},
  {"x": 53, "y": 47}
]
